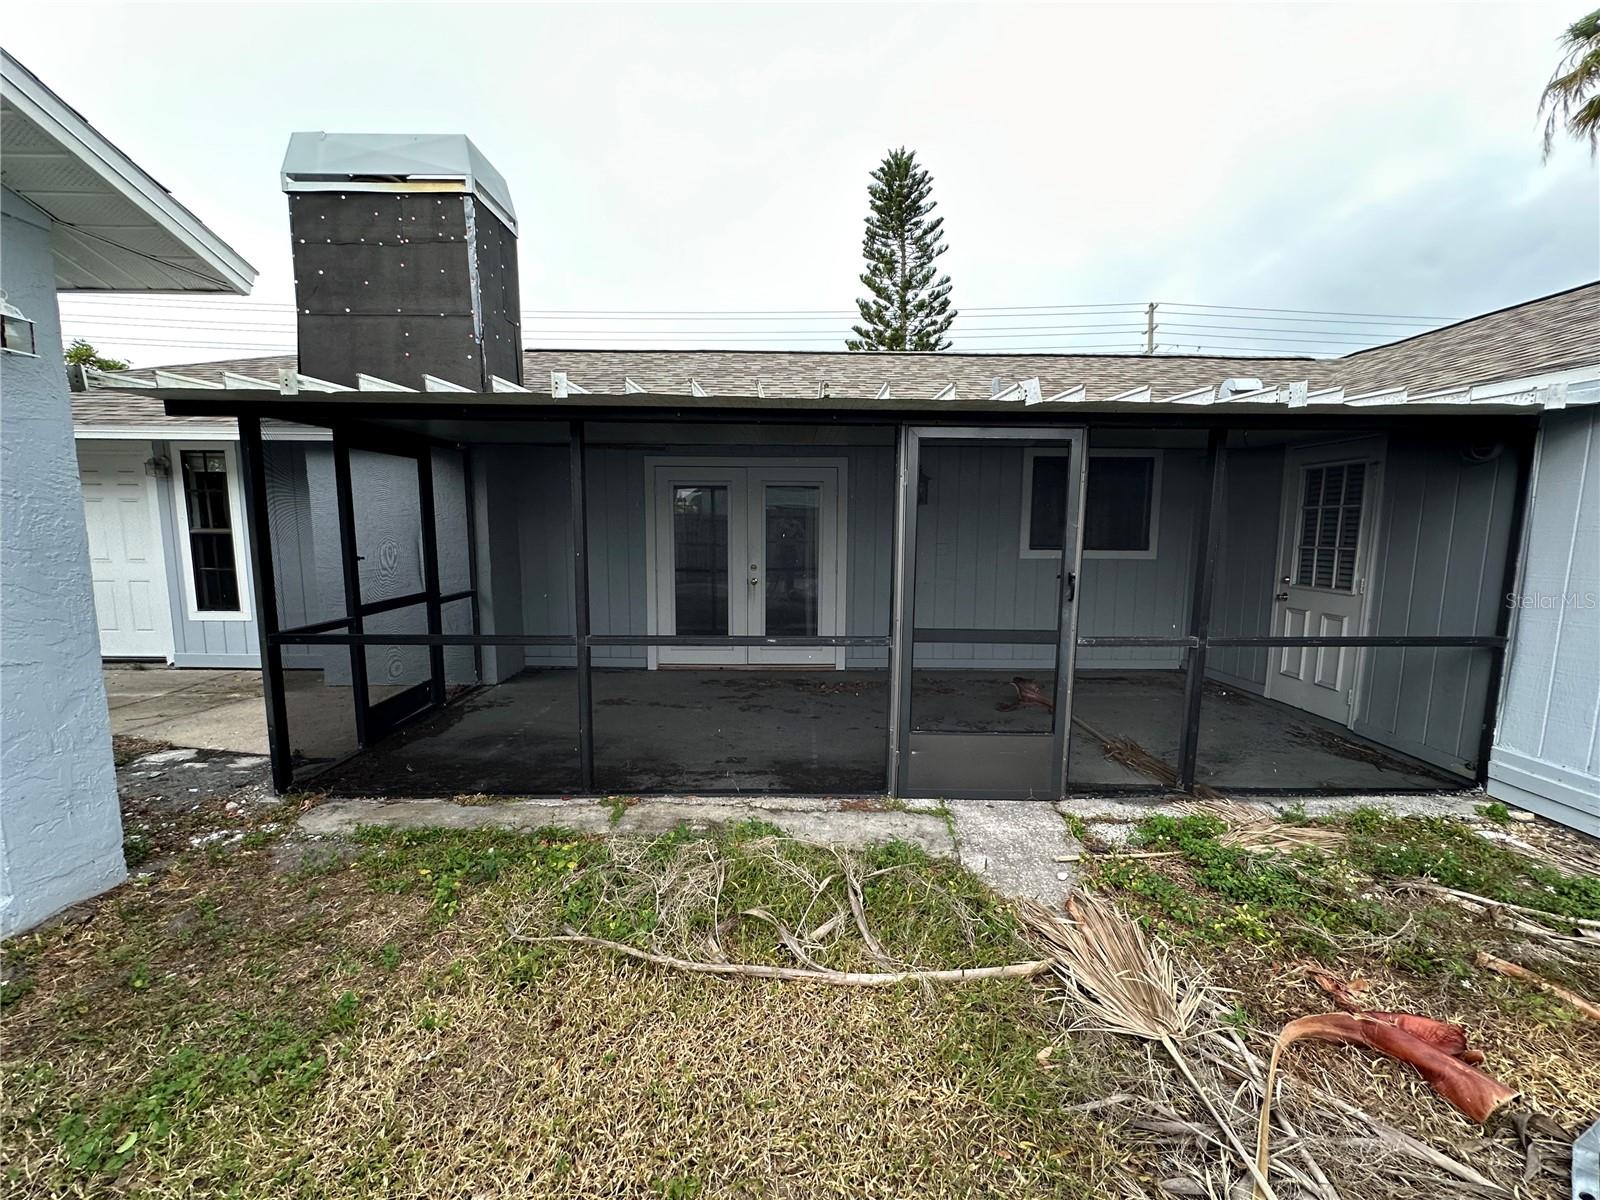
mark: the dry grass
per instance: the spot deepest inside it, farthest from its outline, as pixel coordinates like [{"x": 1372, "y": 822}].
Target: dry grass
[
  {"x": 609, "y": 1080},
  {"x": 373, "y": 1028},
  {"x": 370, "y": 1029}
]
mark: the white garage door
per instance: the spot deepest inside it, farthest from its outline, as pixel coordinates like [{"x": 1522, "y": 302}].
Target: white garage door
[{"x": 130, "y": 582}]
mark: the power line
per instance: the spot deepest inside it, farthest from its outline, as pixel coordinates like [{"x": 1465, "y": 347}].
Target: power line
[
  {"x": 976, "y": 311},
  {"x": 1313, "y": 312}
]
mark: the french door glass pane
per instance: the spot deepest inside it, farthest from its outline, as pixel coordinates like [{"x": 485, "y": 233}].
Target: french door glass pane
[
  {"x": 700, "y": 560},
  {"x": 791, "y": 519}
]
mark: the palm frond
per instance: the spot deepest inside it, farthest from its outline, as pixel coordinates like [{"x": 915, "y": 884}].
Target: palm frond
[
  {"x": 1125, "y": 981},
  {"x": 1572, "y": 97}
]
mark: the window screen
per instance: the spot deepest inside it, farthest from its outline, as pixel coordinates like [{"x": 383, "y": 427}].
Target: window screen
[
  {"x": 1118, "y": 503},
  {"x": 1047, "y": 506},
  {"x": 205, "y": 491},
  {"x": 1330, "y": 526}
]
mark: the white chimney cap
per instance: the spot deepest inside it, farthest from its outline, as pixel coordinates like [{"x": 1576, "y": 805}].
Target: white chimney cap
[{"x": 323, "y": 162}]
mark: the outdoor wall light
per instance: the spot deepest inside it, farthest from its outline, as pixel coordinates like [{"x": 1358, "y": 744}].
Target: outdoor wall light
[
  {"x": 16, "y": 330},
  {"x": 158, "y": 467}
]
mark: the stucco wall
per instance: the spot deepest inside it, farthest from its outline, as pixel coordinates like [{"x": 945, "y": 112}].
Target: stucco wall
[
  {"x": 1546, "y": 754},
  {"x": 60, "y": 827}
]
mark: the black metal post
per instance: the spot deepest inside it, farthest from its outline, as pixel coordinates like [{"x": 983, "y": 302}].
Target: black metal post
[
  {"x": 470, "y": 499},
  {"x": 1066, "y": 633},
  {"x": 902, "y": 650},
  {"x": 580, "y": 605},
  {"x": 352, "y": 581},
  {"x": 1209, "y": 543},
  {"x": 1500, "y": 656},
  {"x": 430, "y": 576},
  {"x": 253, "y": 478}
]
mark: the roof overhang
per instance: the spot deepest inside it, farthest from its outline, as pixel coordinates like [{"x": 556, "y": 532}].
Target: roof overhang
[
  {"x": 239, "y": 395},
  {"x": 114, "y": 228}
]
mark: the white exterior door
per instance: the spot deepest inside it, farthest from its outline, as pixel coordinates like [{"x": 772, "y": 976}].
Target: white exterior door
[
  {"x": 130, "y": 578},
  {"x": 1330, "y": 502},
  {"x": 746, "y": 551}
]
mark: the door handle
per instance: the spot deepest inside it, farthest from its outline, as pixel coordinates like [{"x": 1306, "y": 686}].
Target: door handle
[
  {"x": 1072, "y": 586},
  {"x": 754, "y": 581},
  {"x": 1281, "y": 596}
]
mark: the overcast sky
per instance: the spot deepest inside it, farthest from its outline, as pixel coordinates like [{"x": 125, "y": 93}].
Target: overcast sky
[{"x": 1370, "y": 159}]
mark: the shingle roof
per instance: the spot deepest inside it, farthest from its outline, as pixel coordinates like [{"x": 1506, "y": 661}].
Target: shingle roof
[
  {"x": 1552, "y": 333},
  {"x": 1549, "y": 334}
]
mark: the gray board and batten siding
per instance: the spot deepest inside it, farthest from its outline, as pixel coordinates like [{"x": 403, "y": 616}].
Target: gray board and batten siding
[{"x": 1546, "y": 753}]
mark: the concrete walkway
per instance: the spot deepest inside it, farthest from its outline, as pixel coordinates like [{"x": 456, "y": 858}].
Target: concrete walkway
[
  {"x": 202, "y": 709},
  {"x": 810, "y": 820},
  {"x": 1014, "y": 846}
]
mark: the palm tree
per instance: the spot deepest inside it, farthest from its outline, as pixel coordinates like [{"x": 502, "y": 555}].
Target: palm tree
[{"x": 1573, "y": 94}]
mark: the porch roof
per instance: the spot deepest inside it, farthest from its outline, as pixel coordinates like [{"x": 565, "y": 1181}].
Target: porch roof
[{"x": 1541, "y": 354}]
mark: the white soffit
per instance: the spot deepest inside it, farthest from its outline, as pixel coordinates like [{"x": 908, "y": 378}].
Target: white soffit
[{"x": 114, "y": 228}]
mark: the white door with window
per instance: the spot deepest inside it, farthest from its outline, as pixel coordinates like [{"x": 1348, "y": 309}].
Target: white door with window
[
  {"x": 125, "y": 560},
  {"x": 746, "y": 550},
  {"x": 1330, "y": 503}
]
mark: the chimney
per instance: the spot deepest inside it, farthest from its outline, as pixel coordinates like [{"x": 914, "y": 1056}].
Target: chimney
[{"x": 405, "y": 260}]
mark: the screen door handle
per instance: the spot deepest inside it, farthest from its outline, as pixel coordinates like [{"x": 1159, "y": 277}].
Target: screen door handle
[{"x": 1072, "y": 586}]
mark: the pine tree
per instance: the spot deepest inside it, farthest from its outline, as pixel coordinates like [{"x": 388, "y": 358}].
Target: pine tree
[{"x": 908, "y": 309}]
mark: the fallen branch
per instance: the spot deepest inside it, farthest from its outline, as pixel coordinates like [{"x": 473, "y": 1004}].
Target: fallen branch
[
  {"x": 1417, "y": 885},
  {"x": 1514, "y": 971},
  {"x": 1020, "y": 970}
]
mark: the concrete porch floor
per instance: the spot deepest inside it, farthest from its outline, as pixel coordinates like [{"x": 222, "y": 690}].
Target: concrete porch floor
[{"x": 800, "y": 732}]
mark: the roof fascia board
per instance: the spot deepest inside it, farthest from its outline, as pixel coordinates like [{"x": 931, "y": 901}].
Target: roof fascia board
[
  {"x": 124, "y": 176},
  {"x": 191, "y": 433}
]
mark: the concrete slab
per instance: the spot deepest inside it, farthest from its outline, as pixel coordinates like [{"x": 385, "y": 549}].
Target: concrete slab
[
  {"x": 847, "y": 828},
  {"x": 202, "y": 709},
  {"x": 808, "y": 821},
  {"x": 1012, "y": 845},
  {"x": 682, "y": 732},
  {"x": 343, "y": 817}
]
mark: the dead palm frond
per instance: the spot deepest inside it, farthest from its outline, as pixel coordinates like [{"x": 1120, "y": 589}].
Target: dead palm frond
[
  {"x": 1257, "y": 831},
  {"x": 1572, "y": 97},
  {"x": 1125, "y": 982}
]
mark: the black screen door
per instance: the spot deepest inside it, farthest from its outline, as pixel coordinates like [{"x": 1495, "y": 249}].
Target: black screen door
[
  {"x": 391, "y": 577},
  {"x": 989, "y": 546}
]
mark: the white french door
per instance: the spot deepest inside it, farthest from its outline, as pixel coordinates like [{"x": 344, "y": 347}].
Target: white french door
[
  {"x": 746, "y": 551},
  {"x": 1324, "y": 546}
]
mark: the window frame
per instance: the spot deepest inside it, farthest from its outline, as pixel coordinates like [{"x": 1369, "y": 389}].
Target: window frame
[
  {"x": 241, "y": 554},
  {"x": 1157, "y": 458}
]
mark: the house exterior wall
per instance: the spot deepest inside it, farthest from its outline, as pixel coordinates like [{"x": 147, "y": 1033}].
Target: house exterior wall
[
  {"x": 308, "y": 572},
  {"x": 1247, "y": 569},
  {"x": 1546, "y": 753},
  {"x": 202, "y": 643},
  {"x": 60, "y": 825},
  {"x": 1443, "y": 535},
  {"x": 1439, "y": 551},
  {"x": 971, "y": 572},
  {"x": 195, "y": 643}
]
